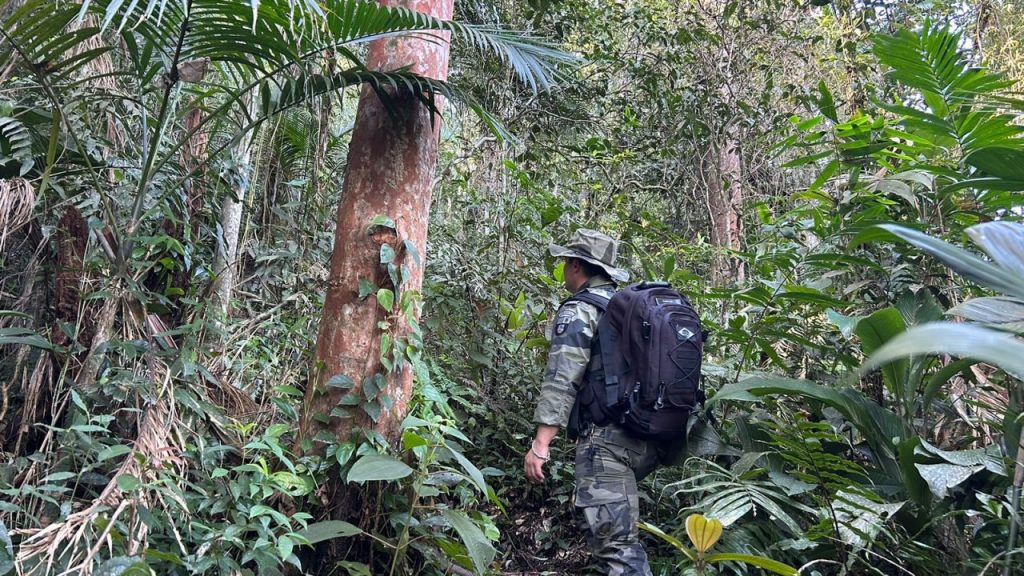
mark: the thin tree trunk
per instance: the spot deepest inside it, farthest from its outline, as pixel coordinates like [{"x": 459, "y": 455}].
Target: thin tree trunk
[
  {"x": 391, "y": 162},
  {"x": 725, "y": 202},
  {"x": 226, "y": 263}
]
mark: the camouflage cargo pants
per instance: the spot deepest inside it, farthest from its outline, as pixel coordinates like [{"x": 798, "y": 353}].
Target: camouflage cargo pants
[{"x": 608, "y": 465}]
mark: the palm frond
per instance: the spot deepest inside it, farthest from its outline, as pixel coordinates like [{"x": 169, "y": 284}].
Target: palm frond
[
  {"x": 40, "y": 35},
  {"x": 15, "y": 145},
  {"x": 267, "y": 35},
  {"x": 932, "y": 61},
  {"x": 956, "y": 99},
  {"x": 729, "y": 495},
  {"x": 263, "y": 37}
]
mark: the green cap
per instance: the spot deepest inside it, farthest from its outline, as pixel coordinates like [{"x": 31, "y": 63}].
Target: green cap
[{"x": 594, "y": 247}]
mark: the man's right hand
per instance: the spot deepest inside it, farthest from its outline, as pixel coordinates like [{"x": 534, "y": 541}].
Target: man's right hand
[
  {"x": 534, "y": 466},
  {"x": 538, "y": 453}
]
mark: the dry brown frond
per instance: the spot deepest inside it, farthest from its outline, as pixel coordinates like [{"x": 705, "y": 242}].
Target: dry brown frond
[
  {"x": 35, "y": 386},
  {"x": 73, "y": 541},
  {"x": 17, "y": 198}
]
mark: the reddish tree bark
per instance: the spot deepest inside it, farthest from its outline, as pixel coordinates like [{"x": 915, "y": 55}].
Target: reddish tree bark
[{"x": 391, "y": 161}]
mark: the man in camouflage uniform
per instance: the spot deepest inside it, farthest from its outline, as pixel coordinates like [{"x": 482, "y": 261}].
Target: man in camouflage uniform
[{"x": 609, "y": 463}]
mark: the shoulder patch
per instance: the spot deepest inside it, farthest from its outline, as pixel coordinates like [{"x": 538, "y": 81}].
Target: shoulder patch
[{"x": 566, "y": 314}]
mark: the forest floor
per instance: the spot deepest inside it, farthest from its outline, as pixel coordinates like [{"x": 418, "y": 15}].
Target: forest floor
[{"x": 542, "y": 541}]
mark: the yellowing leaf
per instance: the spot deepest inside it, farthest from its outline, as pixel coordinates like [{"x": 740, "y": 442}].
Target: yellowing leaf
[{"x": 703, "y": 532}]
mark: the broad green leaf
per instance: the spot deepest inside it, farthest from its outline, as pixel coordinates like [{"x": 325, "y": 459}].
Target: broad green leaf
[
  {"x": 860, "y": 519},
  {"x": 262, "y": 510},
  {"x": 24, "y": 336},
  {"x": 942, "y": 477},
  {"x": 285, "y": 545},
  {"x": 292, "y": 484},
  {"x": 123, "y": 566},
  {"x": 59, "y": 477},
  {"x": 480, "y": 550},
  {"x": 759, "y": 561},
  {"x": 128, "y": 483},
  {"x": 340, "y": 381},
  {"x": 344, "y": 453},
  {"x": 918, "y": 307},
  {"x": 6, "y": 550},
  {"x": 412, "y": 440},
  {"x": 366, "y": 288},
  {"x": 470, "y": 468},
  {"x": 328, "y": 530},
  {"x": 1003, "y": 242},
  {"x": 915, "y": 486},
  {"x": 375, "y": 467},
  {"x": 113, "y": 452},
  {"x": 826, "y": 173},
  {"x": 826, "y": 103},
  {"x": 386, "y": 299},
  {"x": 874, "y": 331},
  {"x": 1002, "y": 162},
  {"x": 987, "y": 457},
  {"x": 963, "y": 340},
  {"x": 879, "y": 328},
  {"x": 846, "y": 324},
  {"x": 962, "y": 262},
  {"x": 893, "y": 187},
  {"x": 1005, "y": 312}
]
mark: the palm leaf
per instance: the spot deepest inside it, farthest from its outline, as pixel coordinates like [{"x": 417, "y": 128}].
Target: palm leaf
[
  {"x": 272, "y": 34},
  {"x": 728, "y": 496},
  {"x": 43, "y": 38},
  {"x": 960, "y": 99}
]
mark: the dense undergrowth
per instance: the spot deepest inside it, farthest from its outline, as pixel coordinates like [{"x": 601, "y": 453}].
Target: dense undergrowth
[{"x": 864, "y": 371}]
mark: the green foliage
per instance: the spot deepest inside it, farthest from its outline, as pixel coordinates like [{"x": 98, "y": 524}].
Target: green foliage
[{"x": 900, "y": 463}]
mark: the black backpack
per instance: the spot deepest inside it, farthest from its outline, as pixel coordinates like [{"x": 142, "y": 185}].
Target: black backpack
[{"x": 651, "y": 342}]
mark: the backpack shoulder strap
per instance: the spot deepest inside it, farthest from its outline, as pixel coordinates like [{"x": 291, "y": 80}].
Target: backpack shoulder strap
[{"x": 595, "y": 300}]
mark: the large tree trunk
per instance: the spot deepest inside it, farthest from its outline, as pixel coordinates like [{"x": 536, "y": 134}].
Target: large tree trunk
[{"x": 391, "y": 160}]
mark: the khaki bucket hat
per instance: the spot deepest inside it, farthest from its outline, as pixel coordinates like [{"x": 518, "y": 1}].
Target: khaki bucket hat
[{"x": 594, "y": 247}]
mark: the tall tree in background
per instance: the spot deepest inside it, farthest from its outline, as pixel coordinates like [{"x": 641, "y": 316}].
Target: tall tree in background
[{"x": 391, "y": 161}]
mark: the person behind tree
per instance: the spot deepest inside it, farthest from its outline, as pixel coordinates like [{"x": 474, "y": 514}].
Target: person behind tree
[{"x": 609, "y": 462}]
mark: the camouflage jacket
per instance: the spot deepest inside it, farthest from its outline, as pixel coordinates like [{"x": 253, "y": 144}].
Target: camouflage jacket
[{"x": 569, "y": 357}]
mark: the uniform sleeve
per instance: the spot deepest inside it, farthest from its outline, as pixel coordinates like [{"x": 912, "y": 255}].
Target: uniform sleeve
[{"x": 567, "y": 362}]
